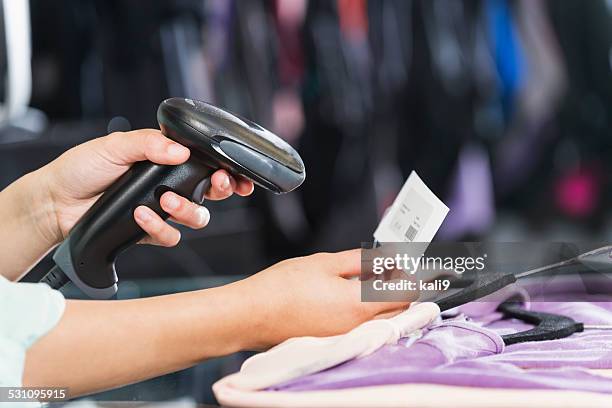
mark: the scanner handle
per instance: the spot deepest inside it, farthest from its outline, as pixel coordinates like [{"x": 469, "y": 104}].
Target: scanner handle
[{"x": 88, "y": 255}]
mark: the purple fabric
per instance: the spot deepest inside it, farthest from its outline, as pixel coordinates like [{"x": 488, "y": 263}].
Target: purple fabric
[{"x": 469, "y": 351}]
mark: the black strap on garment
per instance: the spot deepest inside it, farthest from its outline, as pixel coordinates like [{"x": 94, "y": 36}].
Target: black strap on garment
[{"x": 548, "y": 326}]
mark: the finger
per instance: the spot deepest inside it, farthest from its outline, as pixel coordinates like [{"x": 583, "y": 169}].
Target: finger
[
  {"x": 244, "y": 187},
  {"x": 125, "y": 148},
  {"x": 159, "y": 231},
  {"x": 387, "y": 308},
  {"x": 390, "y": 314},
  {"x": 221, "y": 186},
  {"x": 184, "y": 211},
  {"x": 382, "y": 310},
  {"x": 346, "y": 264}
]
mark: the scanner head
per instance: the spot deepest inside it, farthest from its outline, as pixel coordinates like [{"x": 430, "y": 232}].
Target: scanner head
[{"x": 225, "y": 140}]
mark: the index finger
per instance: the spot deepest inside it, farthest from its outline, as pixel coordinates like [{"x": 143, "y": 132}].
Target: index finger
[
  {"x": 245, "y": 186},
  {"x": 125, "y": 148},
  {"x": 345, "y": 264}
]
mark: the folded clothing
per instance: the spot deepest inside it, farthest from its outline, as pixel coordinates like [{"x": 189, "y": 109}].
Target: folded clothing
[
  {"x": 469, "y": 351},
  {"x": 300, "y": 356},
  {"x": 462, "y": 356}
]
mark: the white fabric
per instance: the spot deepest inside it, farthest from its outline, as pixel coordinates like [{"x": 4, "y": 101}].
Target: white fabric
[
  {"x": 305, "y": 355},
  {"x": 27, "y": 312}
]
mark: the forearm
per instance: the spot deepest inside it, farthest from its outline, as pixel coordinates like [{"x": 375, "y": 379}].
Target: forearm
[
  {"x": 25, "y": 211},
  {"x": 99, "y": 345}
]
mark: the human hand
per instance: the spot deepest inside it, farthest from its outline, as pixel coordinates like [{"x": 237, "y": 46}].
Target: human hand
[
  {"x": 309, "y": 296},
  {"x": 75, "y": 180}
]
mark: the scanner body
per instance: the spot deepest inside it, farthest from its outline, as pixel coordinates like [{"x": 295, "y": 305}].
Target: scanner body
[{"x": 217, "y": 139}]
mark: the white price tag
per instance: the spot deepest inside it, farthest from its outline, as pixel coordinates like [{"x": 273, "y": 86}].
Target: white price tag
[{"x": 415, "y": 215}]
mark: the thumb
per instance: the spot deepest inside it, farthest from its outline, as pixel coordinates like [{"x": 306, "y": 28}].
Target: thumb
[{"x": 126, "y": 148}]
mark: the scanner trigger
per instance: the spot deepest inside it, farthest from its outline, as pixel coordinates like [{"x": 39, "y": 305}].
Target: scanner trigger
[{"x": 200, "y": 189}]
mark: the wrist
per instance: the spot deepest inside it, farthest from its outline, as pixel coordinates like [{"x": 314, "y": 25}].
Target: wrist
[
  {"x": 210, "y": 323},
  {"x": 27, "y": 233},
  {"x": 238, "y": 319},
  {"x": 36, "y": 198},
  {"x": 256, "y": 310},
  {"x": 246, "y": 313}
]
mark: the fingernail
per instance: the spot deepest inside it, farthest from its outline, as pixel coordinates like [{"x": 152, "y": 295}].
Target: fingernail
[
  {"x": 172, "y": 202},
  {"x": 204, "y": 216},
  {"x": 175, "y": 149},
  {"x": 225, "y": 184},
  {"x": 143, "y": 215}
]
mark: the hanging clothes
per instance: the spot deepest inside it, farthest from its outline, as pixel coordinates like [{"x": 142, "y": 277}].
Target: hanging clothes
[
  {"x": 507, "y": 52},
  {"x": 544, "y": 82}
]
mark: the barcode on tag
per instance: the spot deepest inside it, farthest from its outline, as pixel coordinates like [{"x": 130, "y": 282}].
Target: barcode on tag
[
  {"x": 415, "y": 216},
  {"x": 411, "y": 233}
]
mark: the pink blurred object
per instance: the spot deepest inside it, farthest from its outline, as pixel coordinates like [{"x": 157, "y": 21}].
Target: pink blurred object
[
  {"x": 287, "y": 115},
  {"x": 577, "y": 193}
]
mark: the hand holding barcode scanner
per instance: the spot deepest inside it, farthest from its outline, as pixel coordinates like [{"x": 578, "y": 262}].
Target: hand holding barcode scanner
[
  {"x": 50, "y": 200},
  {"x": 109, "y": 157},
  {"x": 213, "y": 139}
]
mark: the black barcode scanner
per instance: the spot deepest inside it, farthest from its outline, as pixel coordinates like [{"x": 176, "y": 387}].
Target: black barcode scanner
[{"x": 217, "y": 140}]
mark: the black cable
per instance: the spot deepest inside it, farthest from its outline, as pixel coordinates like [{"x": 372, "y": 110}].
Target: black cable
[{"x": 55, "y": 278}]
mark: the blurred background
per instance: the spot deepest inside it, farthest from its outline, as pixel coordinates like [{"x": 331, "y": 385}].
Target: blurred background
[{"x": 503, "y": 107}]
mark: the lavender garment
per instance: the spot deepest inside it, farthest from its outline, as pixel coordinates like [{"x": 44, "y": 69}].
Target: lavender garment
[{"x": 469, "y": 351}]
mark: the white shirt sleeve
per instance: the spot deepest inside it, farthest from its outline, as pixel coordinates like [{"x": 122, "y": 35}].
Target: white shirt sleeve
[{"x": 27, "y": 312}]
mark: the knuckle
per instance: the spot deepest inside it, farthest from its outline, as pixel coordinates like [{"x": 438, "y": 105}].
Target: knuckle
[
  {"x": 149, "y": 144},
  {"x": 175, "y": 203},
  {"x": 115, "y": 135},
  {"x": 322, "y": 257},
  {"x": 110, "y": 140},
  {"x": 156, "y": 227}
]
